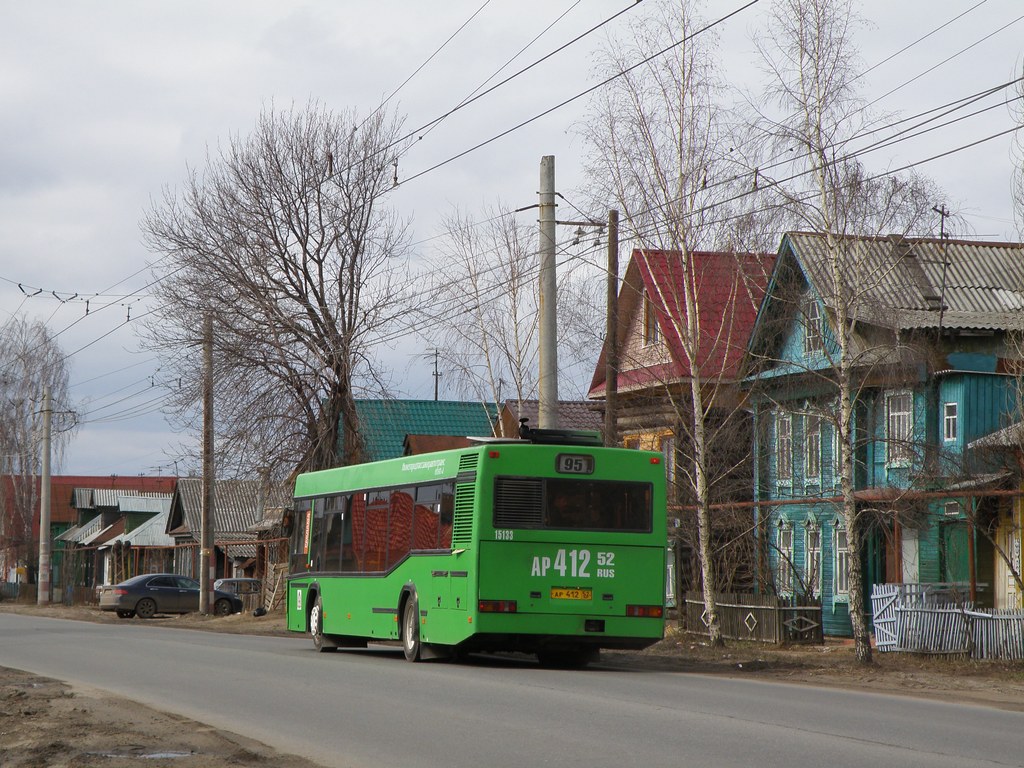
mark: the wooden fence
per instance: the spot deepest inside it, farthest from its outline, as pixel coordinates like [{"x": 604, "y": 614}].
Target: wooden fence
[
  {"x": 921, "y": 618},
  {"x": 764, "y": 618}
]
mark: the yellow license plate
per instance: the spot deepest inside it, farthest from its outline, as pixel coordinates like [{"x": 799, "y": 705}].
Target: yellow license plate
[{"x": 569, "y": 593}]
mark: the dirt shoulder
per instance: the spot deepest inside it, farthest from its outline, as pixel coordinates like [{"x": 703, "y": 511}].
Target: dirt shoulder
[{"x": 45, "y": 722}]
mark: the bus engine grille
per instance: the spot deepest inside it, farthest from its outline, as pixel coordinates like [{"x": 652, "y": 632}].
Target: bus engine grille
[{"x": 518, "y": 503}]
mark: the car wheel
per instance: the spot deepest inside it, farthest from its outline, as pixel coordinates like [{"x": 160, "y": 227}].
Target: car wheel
[
  {"x": 222, "y": 607},
  {"x": 411, "y": 628},
  {"x": 316, "y": 627},
  {"x": 125, "y": 614},
  {"x": 145, "y": 608}
]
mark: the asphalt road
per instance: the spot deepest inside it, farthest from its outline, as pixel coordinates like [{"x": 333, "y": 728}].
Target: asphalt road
[{"x": 371, "y": 708}]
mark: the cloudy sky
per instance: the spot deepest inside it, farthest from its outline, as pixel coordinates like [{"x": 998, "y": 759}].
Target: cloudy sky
[{"x": 105, "y": 104}]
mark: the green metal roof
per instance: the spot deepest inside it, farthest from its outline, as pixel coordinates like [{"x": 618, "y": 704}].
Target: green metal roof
[{"x": 385, "y": 423}]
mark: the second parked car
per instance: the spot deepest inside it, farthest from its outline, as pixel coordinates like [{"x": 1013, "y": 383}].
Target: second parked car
[{"x": 152, "y": 593}]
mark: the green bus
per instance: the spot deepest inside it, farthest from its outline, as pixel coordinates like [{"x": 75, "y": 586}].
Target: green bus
[{"x": 550, "y": 545}]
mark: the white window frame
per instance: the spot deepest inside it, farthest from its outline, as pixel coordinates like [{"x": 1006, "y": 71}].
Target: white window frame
[
  {"x": 784, "y": 448},
  {"x": 784, "y": 576},
  {"x": 840, "y": 562},
  {"x": 813, "y": 339},
  {"x": 812, "y": 447},
  {"x": 668, "y": 452},
  {"x": 812, "y": 557},
  {"x": 899, "y": 429},
  {"x": 950, "y": 427}
]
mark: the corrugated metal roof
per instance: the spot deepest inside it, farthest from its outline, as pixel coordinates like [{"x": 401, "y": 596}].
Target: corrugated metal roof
[
  {"x": 903, "y": 282},
  {"x": 101, "y": 537},
  {"x": 150, "y": 533},
  {"x": 385, "y": 423},
  {"x": 155, "y": 503},
  {"x": 236, "y": 506},
  {"x": 86, "y": 531}
]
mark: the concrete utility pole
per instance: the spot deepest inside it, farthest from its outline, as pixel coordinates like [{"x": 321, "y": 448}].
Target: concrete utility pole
[
  {"x": 206, "y": 561},
  {"x": 43, "y": 580},
  {"x": 611, "y": 370},
  {"x": 548, "y": 378}
]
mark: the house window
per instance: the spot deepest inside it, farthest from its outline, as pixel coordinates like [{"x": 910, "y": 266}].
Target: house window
[
  {"x": 949, "y": 412},
  {"x": 668, "y": 451},
  {"x": 899, "y": 407},
  {"x": 784, "y": 573},
  {"x": 837, "y": 457},
  {"x": 812, "y": 446},
  {"x": 652, "y": 332},
  {"x": 631, "y": 442},
  {"x": 812, "y": 326},
  {"x": 842, "y": 563},
  {"x": 952, "y": 509},
  {"x": 812, "y": 565},
  {"x": 784, "y": 447}
]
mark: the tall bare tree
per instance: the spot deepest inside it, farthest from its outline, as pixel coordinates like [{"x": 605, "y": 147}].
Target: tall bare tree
[
  {"x": 31, "y": 360},
  {"x": 809, "y": 54},
  {"x": 483, "y": 305},
  {"x": 286, "y": 238},
  {"x": 656, "y": 140}
]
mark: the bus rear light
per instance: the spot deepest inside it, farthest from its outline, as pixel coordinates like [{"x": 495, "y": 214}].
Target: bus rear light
[
  {"x": 497, "y": 606},
  {"x": 645, "y": 611},
  {"x": 655, "y": 460},
  {"x": 493, "y": 454}
]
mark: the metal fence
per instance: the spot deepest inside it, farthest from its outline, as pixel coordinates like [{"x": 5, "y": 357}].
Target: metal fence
[
  {"x": 935, "y": 619},
  {"x": 764, "y": 618}
]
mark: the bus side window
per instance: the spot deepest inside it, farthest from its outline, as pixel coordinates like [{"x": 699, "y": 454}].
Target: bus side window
[
  {"x": 334, "y": 520},
  {"x": 355, "y": 533},
  {"x": 447, "y": 515},
  {"x": 299, "y": 555},
  {"x": 400, "y": 525},
  {"x": 375, "y": 546},
  {"x": 427, "y": 520},
  {"x": 316, "y": 539}
]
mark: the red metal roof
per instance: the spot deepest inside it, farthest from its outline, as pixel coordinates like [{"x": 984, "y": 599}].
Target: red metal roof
[{"x": 728, "y": 288}]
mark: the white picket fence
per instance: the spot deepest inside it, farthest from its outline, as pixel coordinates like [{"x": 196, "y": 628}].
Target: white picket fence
[{"x": 921, "y": 618}]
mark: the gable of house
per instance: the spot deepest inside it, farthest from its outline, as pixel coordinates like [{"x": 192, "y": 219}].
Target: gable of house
[{"x": 652, "y": 329}]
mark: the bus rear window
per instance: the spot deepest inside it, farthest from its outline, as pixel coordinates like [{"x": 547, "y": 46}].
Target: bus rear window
[{"x": 572, "y": 504}]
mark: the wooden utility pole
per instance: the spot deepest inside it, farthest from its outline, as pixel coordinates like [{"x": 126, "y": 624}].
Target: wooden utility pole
[
  {"x": 548, "y": 378},
  {"x": 206, "y": 560},
  {"x": 611, "y": 370},
  {"x": 43, "y": 580}
]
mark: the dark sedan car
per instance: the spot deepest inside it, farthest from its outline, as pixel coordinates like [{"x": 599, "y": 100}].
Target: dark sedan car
[{"x": 152, "y": 593}]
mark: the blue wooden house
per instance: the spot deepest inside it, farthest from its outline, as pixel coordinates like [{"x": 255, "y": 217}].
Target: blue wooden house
[{"x": 931, "y": 341}]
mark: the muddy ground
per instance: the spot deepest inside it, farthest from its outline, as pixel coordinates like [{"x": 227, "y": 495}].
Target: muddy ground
[{"x": 46, "y": 723}]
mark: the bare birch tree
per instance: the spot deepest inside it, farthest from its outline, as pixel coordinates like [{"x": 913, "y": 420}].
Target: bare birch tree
[
  {"x": 809, "y": 54},
  {"x": 285, "y": 237},
  {"x": 31, "y": 360},
  {"x": 483, "y": 299},
  {"x": 655, "y": 135}
]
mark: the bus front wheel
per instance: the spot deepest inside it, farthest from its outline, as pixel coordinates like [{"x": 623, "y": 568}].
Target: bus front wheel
[
  {"x": 411, "y": 628},
  {"x": 316, "y": 627}
]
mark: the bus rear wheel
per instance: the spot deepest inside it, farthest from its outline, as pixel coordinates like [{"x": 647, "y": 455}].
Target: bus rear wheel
[
  {"x": 316, "y": 628},
  {"x": 411, "y": 628}
]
